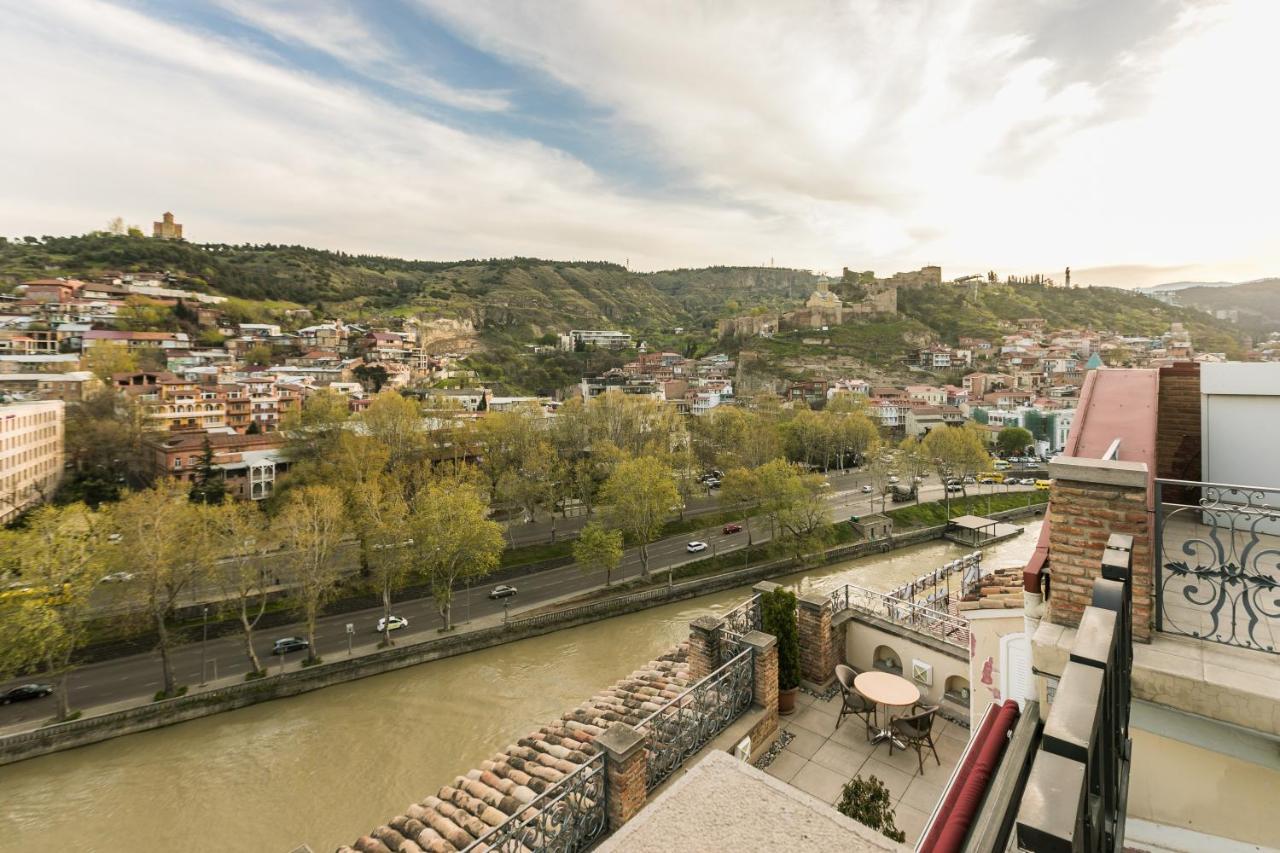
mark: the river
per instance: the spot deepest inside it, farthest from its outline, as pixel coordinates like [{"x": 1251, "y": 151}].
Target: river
[{"x": 327, "y": 766}]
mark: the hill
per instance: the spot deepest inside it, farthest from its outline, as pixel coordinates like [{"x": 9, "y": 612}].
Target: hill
[{"x": 1257, "y": 303}]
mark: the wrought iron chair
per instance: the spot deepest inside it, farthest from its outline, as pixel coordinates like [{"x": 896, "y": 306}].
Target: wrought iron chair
[
  {"x": 916, "y": 731},
  {"x": 854, "y": 703}
]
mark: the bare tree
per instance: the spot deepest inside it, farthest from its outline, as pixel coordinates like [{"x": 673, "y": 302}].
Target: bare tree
[
  {"x": 312, "y": 525},
  {"x": 242, "y": 536}
]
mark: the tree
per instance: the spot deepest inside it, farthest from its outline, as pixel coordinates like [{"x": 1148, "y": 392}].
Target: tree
[
  {"x": 60, "y": 554},
  {"x": 740, "y": 490},
  {"x": 383, "y": 516},
  {"x": 453, "y": 540},
  {"x": 395, "y": 422},
  {"x": 640, "y": 494},
  {"x": 258, "y": 355},
  {"x": 795, "y": 502},
  {"x": 104, "y": 448},
  {"x": 778, "y": 617},
  {"x": 854, "y": 435},
  {"x": 1013, "y": 440},
  {"x": 868, "y": 802},
  {"x": 242, "y": 536},
  {"x": 209, "y": 486},
  {"x": 598, "y": 550},
  {"x": 166, "y": 541},
  {"x": 956, "y": 452},
  {"x": 313, "y": 429},
  {"x": 371, "y": 376},
  {"x": 312, "y": 526},
  {"x": 105, "y": 360}
]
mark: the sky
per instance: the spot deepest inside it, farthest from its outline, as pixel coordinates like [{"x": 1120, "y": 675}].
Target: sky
[{"x": 1132, "y": 141}]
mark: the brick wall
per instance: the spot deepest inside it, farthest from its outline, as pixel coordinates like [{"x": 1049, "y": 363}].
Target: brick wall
[
  {"x": 1082, "y": 515},
  {"x": 1178, "y": 429},
  {"x": 704, "y": 646}
]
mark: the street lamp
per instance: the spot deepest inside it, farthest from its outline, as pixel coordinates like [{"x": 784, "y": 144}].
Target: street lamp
[{"x": 204, "y": 642}]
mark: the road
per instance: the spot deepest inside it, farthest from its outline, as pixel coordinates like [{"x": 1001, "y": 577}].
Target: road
[{"x": 135, "y": 676}]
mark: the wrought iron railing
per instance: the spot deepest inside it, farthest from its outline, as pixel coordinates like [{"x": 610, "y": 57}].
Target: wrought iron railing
[
  {"x": 1217, "y": 556},
  {"x": 736, "y": 624},
  {"x": 567, "y": 817},
  {"x": 683, "y": 725},
  {"x": 927, "y": 620}
]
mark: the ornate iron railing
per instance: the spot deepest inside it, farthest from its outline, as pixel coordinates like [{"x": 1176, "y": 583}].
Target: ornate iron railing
[
  {"x": 736, "y": 624},
  {"x": 927, "y": 620},
  {"x": 1218, "y": 563},
  {"x": 567, "y": 817},
  {"x": 683, "y": 726}
]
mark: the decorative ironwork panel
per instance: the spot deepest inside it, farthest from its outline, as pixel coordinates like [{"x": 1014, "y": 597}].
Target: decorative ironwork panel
[
  {"x": 565, "y": 818},
  {"x": 1218, "y": 563},
  {"x": 839, "y": 598},
  {"x": 927, "y": 620},
  {"x": 684, "y": 725},
  {"x": 736, "y": 624}
]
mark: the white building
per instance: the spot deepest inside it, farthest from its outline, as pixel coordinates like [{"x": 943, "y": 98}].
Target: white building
[
  {"x": 31, "y": 453},
  {"x": 595, "y": 338}
]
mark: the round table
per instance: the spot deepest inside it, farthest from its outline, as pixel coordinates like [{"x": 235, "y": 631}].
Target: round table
[{"x": 889, "y": 690}]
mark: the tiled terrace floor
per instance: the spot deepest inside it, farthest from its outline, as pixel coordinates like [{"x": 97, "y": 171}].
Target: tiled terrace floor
[{"x": 820, "y": 759}]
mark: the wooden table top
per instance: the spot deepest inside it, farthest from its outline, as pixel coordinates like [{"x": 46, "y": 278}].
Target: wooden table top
[{"x": 886, "y": 688}]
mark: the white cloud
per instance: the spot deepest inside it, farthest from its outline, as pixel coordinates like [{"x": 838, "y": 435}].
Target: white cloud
[{"x": 878, "y": 135}]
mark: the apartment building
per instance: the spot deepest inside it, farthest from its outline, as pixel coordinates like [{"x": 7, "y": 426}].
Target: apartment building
[{"x": 31, "y": 453}]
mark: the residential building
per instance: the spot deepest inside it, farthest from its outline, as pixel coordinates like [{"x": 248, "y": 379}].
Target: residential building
[
  {"x": 249, "y": 464},
  {"x": 70, "y": 387},
  {"x": 922, "y": 419},
  {"x": 594, "y": 339},
  {"x": 31, "y": 454},
  {"x": 134, "y": 340}
]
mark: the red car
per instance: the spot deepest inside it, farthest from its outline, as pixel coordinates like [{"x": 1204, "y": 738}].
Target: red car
[{"x": 731, "y": 528}]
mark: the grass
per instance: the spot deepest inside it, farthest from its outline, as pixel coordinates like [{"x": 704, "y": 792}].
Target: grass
[{"x": 935, "y": 512}]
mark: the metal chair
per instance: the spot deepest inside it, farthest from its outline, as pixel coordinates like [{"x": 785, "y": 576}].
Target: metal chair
[
  {"x": 916, "y": 731},
  {"x": 854, "y": 703}
]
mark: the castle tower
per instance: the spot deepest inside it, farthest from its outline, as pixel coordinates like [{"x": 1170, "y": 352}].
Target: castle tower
[{"x": 166, "y": 229}]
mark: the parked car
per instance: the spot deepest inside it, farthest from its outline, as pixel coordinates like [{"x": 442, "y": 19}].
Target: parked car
[
  {"x": 968, "y": 481},
  {"x": 502, "y": 591},
  {"x": 1028, "y": 481},
  {"x": 24, "y": 692},
  {"x": 117, "y": 577},
  {"x": 893, "y": 479},
  {"x": 695, "y": 546},
  {"x": 731, "y": 528},
  {"x": 866, "y": 490},
  {"x": 289, "y": 644},
  {"x": 713, "y": 483},
  {"x": 1042, "y": 484},
  {"x": 954, "y": 487},
  {"x": 395, "y": 623}
]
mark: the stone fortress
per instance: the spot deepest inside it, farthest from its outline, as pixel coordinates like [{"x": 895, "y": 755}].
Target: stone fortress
[{"x": 856, "y": 294}]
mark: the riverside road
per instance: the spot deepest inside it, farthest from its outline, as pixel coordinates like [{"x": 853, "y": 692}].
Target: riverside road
[{"x": 134, "y": 677}]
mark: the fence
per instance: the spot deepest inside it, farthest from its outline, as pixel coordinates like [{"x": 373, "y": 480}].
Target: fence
[
  {"x": 683, "y": 725},
  {"x": 1216, "y": 571},
  {"x": 567, "y": 817},
  {"x": 934, "y": 589},
  {"x": 926, "y": 620},
  {"x": 737, "y": 623}
]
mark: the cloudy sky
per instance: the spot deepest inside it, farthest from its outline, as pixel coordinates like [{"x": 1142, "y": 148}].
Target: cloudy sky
[{"x": 1134, "y": 141}]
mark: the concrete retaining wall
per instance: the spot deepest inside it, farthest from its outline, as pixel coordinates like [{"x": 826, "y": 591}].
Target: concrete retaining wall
[{"x": 155, "y": 715}]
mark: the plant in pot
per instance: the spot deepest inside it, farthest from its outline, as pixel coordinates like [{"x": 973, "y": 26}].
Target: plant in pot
[
  {"x": 869, "y": 802},
  {"x": 778, "y": 617}
]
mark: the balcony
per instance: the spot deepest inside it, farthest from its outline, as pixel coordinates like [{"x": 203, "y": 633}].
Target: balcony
[{"x": 1217, "y": 563}]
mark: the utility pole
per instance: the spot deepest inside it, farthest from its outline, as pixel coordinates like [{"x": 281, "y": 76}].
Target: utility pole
[{"x": 204, "y": 643}]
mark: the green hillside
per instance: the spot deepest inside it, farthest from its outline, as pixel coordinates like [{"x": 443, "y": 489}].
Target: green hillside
[{"x": 1257, "y": 301}]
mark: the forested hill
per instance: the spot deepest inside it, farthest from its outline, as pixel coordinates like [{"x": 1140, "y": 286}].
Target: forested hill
[
  {"x": 984, "y": 312},
  {"x": 518, "y": 294},
  {"x": 1257, "y": 303}
]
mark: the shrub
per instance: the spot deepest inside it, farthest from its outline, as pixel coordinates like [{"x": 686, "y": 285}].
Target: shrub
[
  {"x": 778, "y": 617},
  {"x": 868, "y": 802}
]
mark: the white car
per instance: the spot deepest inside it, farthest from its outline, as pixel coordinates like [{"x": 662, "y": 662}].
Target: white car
[
  {"x": 866, "y": 490},
  {"x": 893, "y": 479},
  {"x": 117, "y": 577},
  {"x": 695, "y": 547},
  {"x": 395, "y": 623}
]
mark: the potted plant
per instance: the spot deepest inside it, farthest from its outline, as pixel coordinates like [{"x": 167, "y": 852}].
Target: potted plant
[
  {"x": 868, "y": 801},
  {"x": 778, "y": 617}
]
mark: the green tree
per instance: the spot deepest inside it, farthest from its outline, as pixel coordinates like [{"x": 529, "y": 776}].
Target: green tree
[
  {"x": 1013, "y": 440},
  {"x": 105, "y": 360},
  {"x": 956, "y": 452},
  {"x": 598, "y": 550},
  {"x": 778, "y": 617},
  {"x": 243, "y": 537},
  {"x": 868, "y": 802},
  {"x": 383, "y": 515},
  {"x": 640, "y": 495},
  {"x": 740, "y": 490},
  {"x": 371, "y": 376},
  {"x": 312, "y": 430},
  {"x": 59, "y": 553},
  {"x": 209, "y": 487},
  {"x": 311, "y": 527},
  {"x": 166, "y": 541},
  {"x": 453, "y": 540}
]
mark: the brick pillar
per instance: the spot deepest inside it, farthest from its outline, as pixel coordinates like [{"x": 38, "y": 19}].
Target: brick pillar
[
  {"x": 704, "y": 646},
  {"x": 766, "y": 586},
  {"x": 624, "y": 773},
  {"x": 817, "y": 653},
  {"x": 1092, "y": 499},
  {"x": 764, "y": 658}
]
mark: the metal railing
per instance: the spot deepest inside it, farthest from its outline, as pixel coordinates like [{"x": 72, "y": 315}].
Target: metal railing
[
  {"x": 1217, "y": 563},
  {"x": 935, "y": 590},
  {"x": 1076, "y": 792},
  {"x": 918, "y": 617},
  {"x": 567, "y": 817},
  {"x": 736, "y": 624},
  {"x": 683, "y": 725}
]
